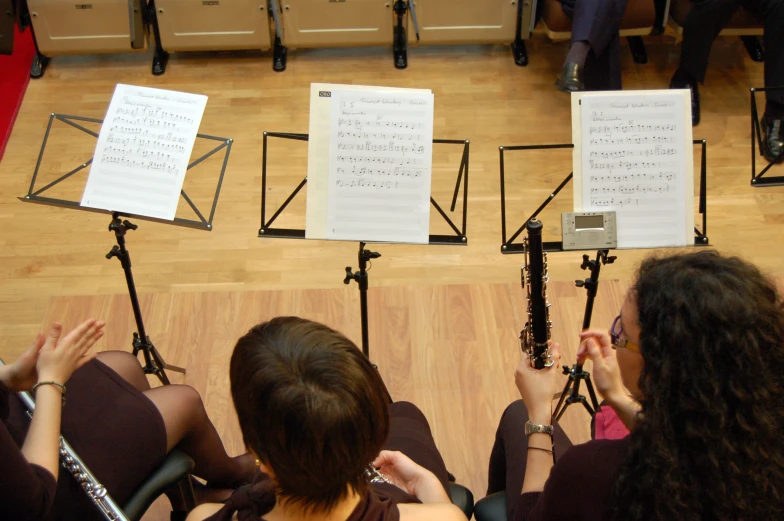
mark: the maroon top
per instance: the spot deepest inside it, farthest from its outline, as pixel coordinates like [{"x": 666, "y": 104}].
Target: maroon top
[
  {"x": 585, "y": 474},
  {"x": 115, "y": 429},
  {"x": 250, "y": 504},
  {"x": 37, "y": 484}
]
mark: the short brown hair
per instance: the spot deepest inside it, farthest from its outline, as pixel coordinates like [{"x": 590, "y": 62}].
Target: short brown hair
[{"x": 310, "y": 405}]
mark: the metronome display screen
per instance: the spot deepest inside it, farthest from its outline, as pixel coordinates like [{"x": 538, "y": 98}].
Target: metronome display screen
[{"x": 589, "y": 222}]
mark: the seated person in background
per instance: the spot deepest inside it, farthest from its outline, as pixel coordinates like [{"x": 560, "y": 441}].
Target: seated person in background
[
  {"x": 594, "y": 59},
  {"x": 703, "y": 24},
  {"x": 316, "y": 414},
  {"x": 118, "y": 426},
  {"x": 702, "y": 341}
]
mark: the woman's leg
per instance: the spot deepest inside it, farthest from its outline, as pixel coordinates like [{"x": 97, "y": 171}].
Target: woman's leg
[
  {"x": 187, "y": 425},
  {"x": 409, "y": 433},
  {"x": 189, "y": 428},
  {"x": 127, "y": 366},
  {"x": 510, "y": 453}
]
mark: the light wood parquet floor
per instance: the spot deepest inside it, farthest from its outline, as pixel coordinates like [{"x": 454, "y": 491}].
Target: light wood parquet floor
[{"x": 480, "y": 95}]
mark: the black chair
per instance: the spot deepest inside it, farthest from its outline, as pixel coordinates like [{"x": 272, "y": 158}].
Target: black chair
[
  {"x": 462, "y": 498},
  {"x": 176, "y": 469},
  {"x": 491, "y": 508}
]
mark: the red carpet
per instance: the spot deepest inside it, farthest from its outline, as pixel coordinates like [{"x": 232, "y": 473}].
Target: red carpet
[{"x": 14, "y": 75}]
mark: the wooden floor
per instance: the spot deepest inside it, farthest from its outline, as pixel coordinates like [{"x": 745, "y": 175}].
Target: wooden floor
[
  {"x": 452, "y": 364},
  {"x": 480, "y": 95},
  {"x": 450, "y": 349}
]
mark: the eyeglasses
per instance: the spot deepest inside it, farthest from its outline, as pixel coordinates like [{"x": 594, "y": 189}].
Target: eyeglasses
[{"x": 620, "y": 341}]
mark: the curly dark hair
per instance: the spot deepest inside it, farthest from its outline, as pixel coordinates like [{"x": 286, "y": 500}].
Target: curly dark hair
[{"x": 708, "y": 442}]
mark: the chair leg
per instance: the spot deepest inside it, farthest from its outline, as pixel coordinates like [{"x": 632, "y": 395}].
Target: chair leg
[
  {"x": 188, "y": 495},
  {"x": 638, "y": 49},
  {"x": 754, "y": 48}
]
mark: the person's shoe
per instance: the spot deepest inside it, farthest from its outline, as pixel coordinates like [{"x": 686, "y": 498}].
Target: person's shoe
[
  {"x": 571, "y": 78},
  {"x": 773, "y": 141},
  {"x": 678, "y": 82}
]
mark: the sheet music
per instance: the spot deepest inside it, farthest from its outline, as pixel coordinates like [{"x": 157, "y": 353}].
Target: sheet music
[
  {"x": 143, "y": 151},
  {"x": 636, "y": 158},
  {"x": 379, "y": 166}
]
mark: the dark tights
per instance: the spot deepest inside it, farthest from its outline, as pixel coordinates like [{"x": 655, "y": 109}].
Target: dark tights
[{"x": 187, "y": 425}]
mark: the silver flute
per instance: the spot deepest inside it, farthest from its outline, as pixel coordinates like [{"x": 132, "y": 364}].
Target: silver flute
[{"x": 76, "y": 467}]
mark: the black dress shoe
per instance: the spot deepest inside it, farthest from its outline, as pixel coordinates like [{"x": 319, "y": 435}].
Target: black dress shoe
[
  {"x": 571, "y": 78},
  {"x": 773, "y": 142},
  {"x": 680, "y": 83}
]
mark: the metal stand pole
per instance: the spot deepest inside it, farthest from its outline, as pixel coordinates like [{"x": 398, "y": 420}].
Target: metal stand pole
[
  {"x": 153, "y": 362},
  {"x": 571, "y": 392},
  {"x": 361, "y": 277}
]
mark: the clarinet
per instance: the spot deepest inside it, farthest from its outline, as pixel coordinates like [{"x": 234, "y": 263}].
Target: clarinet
[
  {"x": 76, "y": 467},
  {"x": 534, "y": 337}
]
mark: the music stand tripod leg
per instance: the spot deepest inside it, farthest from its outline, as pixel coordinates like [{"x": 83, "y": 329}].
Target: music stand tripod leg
[
  {"x": 576, "y": 372},
  {"x": 153, "y": 362}
]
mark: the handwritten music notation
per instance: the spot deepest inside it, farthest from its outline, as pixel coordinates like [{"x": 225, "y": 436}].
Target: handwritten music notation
[
  {"x": 614, "y": 202},
  {"x": 630, "y": 178},
  {"x": 366, "y": 183},
  {"x": 632, "y": 189},
  {"x": 633, "y": 162},
  {"x": 390, "y": 146},
  {"x": 144, "y": 146},
  {"x": 398, "y": 161},
  {"x": 632, "y": 140},
  {"x": 364, "y": 171},
  {"x": 381, "y": 151}
]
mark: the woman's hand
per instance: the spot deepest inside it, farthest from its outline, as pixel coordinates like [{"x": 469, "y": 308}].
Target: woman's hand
[
  {"x": 22, "y": 375},
  {"x": 407, "y": 475},
  {"x": 606, "y": 374},
  {"x": 538, "y": 386},
  {"x": 58, "y": 358}
]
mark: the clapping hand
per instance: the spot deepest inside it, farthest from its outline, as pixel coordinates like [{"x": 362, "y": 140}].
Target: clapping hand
[
  {"x": 22, "y": 375},
  {"x": 58, "y": 358}
]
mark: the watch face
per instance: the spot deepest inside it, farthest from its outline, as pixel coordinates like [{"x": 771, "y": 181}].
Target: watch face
[{"x": 531, "y": 428}]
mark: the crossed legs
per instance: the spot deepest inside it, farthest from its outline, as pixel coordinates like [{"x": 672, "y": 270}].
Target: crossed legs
[{"x": 187, "y": 425}]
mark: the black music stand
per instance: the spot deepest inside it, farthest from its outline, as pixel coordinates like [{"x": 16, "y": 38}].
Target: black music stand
[
  {"x": 458, "y": 238},
  {"x": 756, "y": 141},
  {"x": 509, "y": 246},
  {"x": 154, "y": 363}
]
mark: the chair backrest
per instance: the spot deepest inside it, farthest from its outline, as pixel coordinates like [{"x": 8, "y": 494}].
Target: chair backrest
[
  {"x": 638, "y": 19},
  {"x": 491, "y": 508},
  {"x": 742, "y": 23},
  {"x": 462, "y": 498}
]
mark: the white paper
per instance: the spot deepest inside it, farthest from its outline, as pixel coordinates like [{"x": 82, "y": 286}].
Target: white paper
[
  {"x": 635, "y": 157},
  {"x": 318, "y": 151},
  {"x": 143, "y": 151}
]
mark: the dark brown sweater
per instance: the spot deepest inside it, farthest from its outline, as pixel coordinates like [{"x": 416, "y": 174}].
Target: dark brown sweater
[
  {"x": 579, "y": 485},
  {"x": 26, "y": 491}
]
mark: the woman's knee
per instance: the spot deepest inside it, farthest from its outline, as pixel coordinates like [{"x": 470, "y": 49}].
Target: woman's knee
[
  {"x": 407, "y": 410},
  {"x": 127, "y": 366}
]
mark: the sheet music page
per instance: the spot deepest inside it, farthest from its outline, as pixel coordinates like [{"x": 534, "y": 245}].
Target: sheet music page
[
  {"x": 143, "y": 151},
  {"x": 635, "y": 158},
  {"x": 318, "y": 151}
]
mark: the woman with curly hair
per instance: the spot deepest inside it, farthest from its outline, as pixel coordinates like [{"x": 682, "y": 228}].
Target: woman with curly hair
[{"x": 694, "y": 366}]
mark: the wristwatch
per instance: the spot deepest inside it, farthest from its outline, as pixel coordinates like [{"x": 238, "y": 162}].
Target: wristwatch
[{"x": 533, "y": 428}]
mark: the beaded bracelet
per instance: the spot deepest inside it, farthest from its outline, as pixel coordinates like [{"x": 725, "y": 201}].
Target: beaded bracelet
[{"x": 61, "y": 386}]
